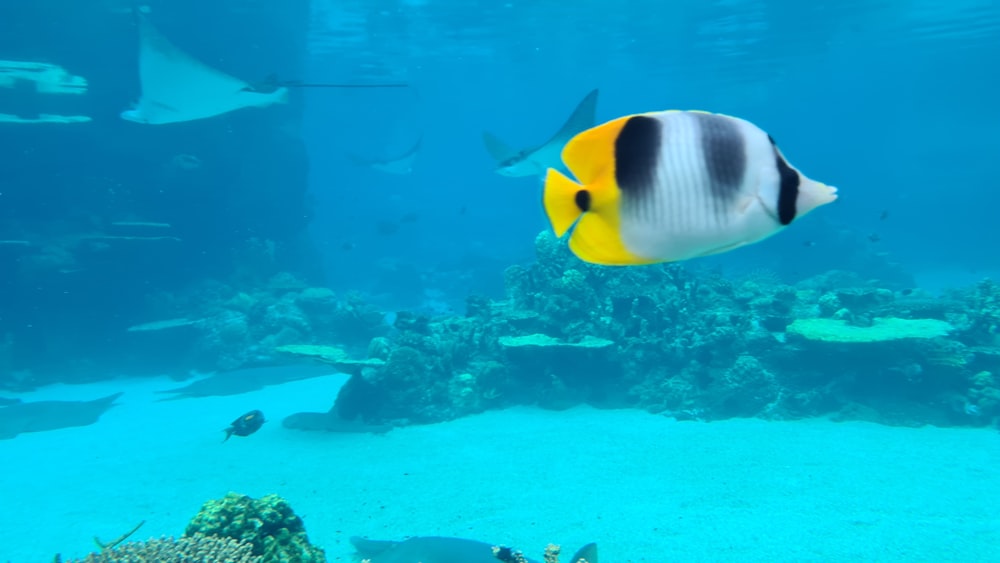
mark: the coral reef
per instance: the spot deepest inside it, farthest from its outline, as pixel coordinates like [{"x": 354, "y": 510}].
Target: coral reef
[
  {"x": 268, "y": 524},
  {"x": 227, "y": 327},
  {"x": 198, "y": 548},
  {"x": 674, "y": 339},
  {"x": 693, "y": 344}
]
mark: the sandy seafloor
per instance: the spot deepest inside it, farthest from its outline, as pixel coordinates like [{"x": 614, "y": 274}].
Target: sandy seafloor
[{"x": 645, "y": 487}]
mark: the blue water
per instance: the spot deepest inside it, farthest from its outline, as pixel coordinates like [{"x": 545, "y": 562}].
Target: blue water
[{"x": 893, "y": 102}]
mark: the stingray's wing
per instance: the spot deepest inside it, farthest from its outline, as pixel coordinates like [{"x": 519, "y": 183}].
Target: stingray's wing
[
  {"x": 537, "y": 160},
  {"x": 499, "y": 150},
  {"x": 398, "y": 164},
  {"x": 178, "y": 87},
  {"x": 580, "y": 120},
  {"x": 170, "y": 73}
]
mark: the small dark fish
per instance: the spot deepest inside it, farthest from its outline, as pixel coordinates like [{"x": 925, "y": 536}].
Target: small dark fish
[
  {"x": 874, "y": 237},
  {"x": 906, "y": 291},
  {"x": 884, "y": 215},
  {"x": 246, "y": 424},
  {"x": 808, "y": 244},
  {"x": 386, "y": 228}
]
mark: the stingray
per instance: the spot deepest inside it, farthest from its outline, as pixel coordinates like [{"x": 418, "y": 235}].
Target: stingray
[
  {"x": 399, "y": 164},
  {"x": 241, "y": 381},
  {"x": 41, "y": 416},
  {"x": 535, "y": 161},
  {"x": 177, "y": 87},
  {"x": 433, "y": 549}
]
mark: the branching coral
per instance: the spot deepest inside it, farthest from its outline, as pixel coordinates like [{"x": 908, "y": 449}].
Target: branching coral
[{"x": 198, "y": 548}]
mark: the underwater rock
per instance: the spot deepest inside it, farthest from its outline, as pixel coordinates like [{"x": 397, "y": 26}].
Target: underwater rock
[
  {"x": 984, "y": 394},
  {"x": 881, "y": 330},
  {"x": 379, "y": 348},
  {"x": 561, "y": 373},
  {"x": 227, "y": 341},
  {"x": 163, "y": 325},
  {"x": 747, "y": 388},
  {"x": 863, "y": 298},
  {"x": 320, "y": 352}
]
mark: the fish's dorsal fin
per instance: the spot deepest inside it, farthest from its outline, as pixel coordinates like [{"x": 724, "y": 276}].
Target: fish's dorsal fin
[
  {"x": 590, "y": 155},
  {"x": 498, "y": 149},
  {"x": 581, "y": 119}
]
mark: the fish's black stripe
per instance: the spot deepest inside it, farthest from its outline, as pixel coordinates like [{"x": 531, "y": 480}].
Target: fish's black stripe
[
  {"x": 724, "y": 152},
  {"x": 637, "y": 153},
  {"x": 788, "y": 190},
  {"x": 582, "y": 200}
]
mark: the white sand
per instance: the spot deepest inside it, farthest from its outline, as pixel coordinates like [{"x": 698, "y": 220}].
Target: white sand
[{"x": 645, "y": 487}]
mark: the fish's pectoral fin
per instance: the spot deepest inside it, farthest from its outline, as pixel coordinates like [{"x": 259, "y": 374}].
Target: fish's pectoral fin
[
  {"x": 561, "y": 198},
  {"x": 498, "y": 149}
]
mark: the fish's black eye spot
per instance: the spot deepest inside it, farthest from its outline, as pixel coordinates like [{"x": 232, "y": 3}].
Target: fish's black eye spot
[{"x": 583, "y": 200}]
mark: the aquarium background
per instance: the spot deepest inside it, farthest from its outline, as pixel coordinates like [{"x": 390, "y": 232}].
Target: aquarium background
[{"x": 454, "y": 337}]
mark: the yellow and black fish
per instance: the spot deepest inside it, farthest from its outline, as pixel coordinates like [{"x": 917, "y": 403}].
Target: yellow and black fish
[
  {"x": 674, "y": 185},
  {"x": 246, "y": 424}
]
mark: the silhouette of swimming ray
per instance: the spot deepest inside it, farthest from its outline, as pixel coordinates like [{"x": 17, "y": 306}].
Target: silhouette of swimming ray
[{"x": 41, "y": 416}]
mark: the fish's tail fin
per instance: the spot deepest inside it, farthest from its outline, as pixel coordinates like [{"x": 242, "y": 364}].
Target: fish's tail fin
[
  {"x": 593, "y": 204},
  {"x": 229, "y": 432},
  {"x": 561, "y": 198},
  {"x": 813, "y": 194}
]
